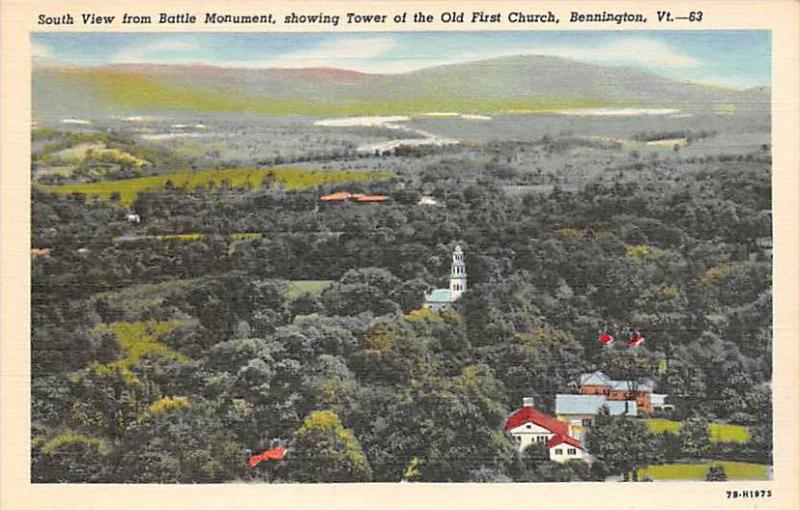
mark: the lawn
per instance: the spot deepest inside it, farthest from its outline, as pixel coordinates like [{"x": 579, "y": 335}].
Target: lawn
[
  {"x": 297, "y": 287},
  {"x": 734, "y": 471},
  {"x": 717, "y": 432},
  {"x": 728, "y": 432},
  {"x": 659, "y": 425},
  {"x": 289, "y": 177},
  {"x": 192, "y": 236}
]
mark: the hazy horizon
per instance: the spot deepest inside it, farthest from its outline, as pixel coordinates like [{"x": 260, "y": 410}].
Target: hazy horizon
[{"x": 735, "y": 59}]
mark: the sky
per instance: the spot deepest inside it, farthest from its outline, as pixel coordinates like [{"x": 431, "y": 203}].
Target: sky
[{"x": 732, "y": 58}]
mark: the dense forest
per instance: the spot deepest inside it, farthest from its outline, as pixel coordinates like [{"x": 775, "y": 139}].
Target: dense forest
[{"x": 228, "y": 317}]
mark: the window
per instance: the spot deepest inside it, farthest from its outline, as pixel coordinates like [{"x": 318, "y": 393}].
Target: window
[
  {"x": 541, "y": 439},
  {"x": 559, "y": 451},
  {"x": 518, "y": 438},
  {"x": 586, "y": 422},
  {"x": 529, "y": 426},
  {"x": 571, "y": 451}
]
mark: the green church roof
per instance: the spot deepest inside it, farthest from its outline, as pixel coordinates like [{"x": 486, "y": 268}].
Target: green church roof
[{"x": 438, "y": 296}]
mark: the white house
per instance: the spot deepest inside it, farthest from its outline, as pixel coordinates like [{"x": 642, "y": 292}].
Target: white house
[
  {"x": 563, "y": 448},
  {"x": 529, "y": 426},
  {"x": 659, "y": 402},
  {"x": 428, "y": 200},
  {"x": 442, "y": 299},
  {"x": 133, "y": 218}
]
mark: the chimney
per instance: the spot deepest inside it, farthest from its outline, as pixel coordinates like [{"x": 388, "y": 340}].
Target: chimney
[{"x": 527, "y": 402}]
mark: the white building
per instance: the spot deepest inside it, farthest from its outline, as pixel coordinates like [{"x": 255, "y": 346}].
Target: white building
[
  {"x": 529, "y": 426},
  {"x": 428, "y": 200},
  {"x": 442, "y": 299},
  {"x": 563, "y": 448},
  {"x": 659, "y": 402}
]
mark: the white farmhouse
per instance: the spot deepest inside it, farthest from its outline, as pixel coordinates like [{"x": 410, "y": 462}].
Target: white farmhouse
[{"x": 529, "y": 426}]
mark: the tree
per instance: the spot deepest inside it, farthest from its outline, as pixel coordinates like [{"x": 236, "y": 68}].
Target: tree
[
  {"x": 541, "y": 362},
  {"x": 179, "y": 440},
  {"x": 634, "y": 366},
  {"x": 670, "y": 445},
  {"x": 410, "y": 294},
  {"x": 623, "y": 443},
  {"x": 69, "y": 457},
  {"x": 322, "y": 450},
  {"x": 716, "y": 474},
  {"x": 694, "y": 439}
]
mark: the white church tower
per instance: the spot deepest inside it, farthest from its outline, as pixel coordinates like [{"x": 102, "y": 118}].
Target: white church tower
[
  {"x": 458, "y": 275},
  {"x": 443, "y": 299}
]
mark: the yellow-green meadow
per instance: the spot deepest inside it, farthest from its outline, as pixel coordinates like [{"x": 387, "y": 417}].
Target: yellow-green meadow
[{"x": 290, "y": 177}]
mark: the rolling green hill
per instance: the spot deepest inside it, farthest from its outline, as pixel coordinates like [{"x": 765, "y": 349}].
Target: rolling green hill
[{"x": 507, "y": 84}]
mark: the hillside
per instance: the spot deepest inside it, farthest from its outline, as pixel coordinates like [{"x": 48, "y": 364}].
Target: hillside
[{"x": 498, "y": 85}]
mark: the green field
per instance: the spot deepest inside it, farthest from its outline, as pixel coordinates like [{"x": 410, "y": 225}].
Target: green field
[
  {"x": 297, "y": 287},
  {"x": 717, "y": 432},
  {"x": 141, "y": 337},
  {"x": 662, "y": 424},
  {"x": 189, "y": 236},
  {"x": 290, "y": 177},
  {"x": 728, "y": 432},
  {"x": 734, "y": 471}
]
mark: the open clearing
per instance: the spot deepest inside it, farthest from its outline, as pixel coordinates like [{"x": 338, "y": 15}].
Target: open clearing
[
  {"x": 296, "y": 288},
  {"x": 717, "y": 432},
  {"x": 140, "y": 338},
  {"x": 289, "y": 177},
  {"x": 733, "y": 470}
]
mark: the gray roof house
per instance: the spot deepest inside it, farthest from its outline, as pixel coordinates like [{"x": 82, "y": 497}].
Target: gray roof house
[{"x": 573, "y": 405}]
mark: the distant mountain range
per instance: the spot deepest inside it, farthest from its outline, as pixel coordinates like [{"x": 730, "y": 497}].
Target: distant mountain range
[{"x": 497, "y": 85}]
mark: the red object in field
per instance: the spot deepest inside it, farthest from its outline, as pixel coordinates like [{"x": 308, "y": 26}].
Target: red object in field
[
  {"x": 358, "y": 197},
  {"x": 605, "y": 338},
  {"x": 339, "y": 196},
  {"x": 636, "y": 338},
  {"x": 276, "y": 453}
]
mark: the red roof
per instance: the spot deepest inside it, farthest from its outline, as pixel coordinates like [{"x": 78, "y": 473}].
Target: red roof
[
  {"x": 530, "y": 414},
  {"x": 339, "y": 196},
  {"x": 276, "y": 453},
  {"x": 563, "y": 438},
  {"x": 342, "y": 196},
  {"x": 370, "y": 198}
]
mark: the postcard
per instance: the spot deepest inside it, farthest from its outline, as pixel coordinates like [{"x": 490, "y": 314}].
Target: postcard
[{"x": 417, "y": 254}]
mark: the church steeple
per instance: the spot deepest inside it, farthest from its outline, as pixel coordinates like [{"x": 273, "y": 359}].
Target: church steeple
[{"x": 458, "y": 275}]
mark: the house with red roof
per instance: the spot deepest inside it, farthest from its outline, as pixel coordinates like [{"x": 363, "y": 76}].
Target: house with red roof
[
  {"x": 527, "y": 425},
  {"x": 360, "y": 197},
  {"x": 344, "y": 196},
  {"x": 339, "y": 196},
  {"x": 598, "y": 383}
]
